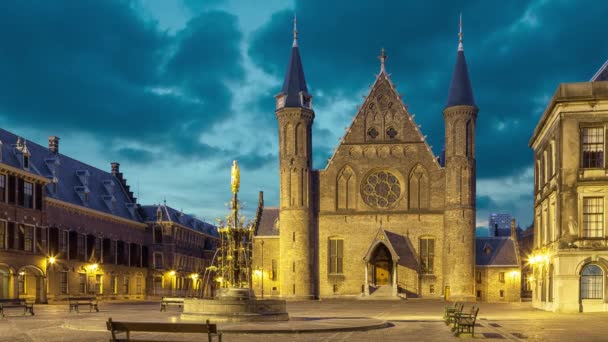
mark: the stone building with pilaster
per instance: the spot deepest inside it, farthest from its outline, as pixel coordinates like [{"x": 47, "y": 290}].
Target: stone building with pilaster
[{"x": 570, "y": 250}]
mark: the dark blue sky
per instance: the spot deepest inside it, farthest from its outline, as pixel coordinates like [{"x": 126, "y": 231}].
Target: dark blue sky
[{"x": 174, "y": 90}]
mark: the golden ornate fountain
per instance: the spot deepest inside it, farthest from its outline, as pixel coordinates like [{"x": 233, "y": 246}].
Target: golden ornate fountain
[{"x": 234, "y": 300}]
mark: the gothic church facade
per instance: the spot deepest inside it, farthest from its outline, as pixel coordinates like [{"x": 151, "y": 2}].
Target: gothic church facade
[{"x": 385, "y": 216}]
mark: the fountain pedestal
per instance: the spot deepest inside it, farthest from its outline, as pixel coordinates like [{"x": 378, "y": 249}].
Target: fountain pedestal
[{"x": 234, "y": 310}]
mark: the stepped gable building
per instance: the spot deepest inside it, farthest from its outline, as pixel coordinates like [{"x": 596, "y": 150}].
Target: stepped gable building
[
  {"x": 181, "y": 247},
  {"x": 570, "y": 250},
  {"x": 67, "y": 228},
  {"x": 383, "y": 213}
]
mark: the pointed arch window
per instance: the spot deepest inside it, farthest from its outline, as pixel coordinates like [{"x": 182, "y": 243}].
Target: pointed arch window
[
  {"x": 346, "y": 195},
  {"x": 418, "y": 188},
  {"x": 427, "y": 255}
]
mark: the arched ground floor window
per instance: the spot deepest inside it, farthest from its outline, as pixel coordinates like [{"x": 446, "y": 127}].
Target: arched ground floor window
[{"x": 592, "y": 284}]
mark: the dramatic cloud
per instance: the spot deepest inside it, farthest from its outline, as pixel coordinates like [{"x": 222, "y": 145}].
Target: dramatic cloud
[{"x": 176, "y": 90}]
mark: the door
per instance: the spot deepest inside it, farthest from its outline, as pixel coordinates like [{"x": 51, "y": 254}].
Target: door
[{"x": 382, "y": 273}]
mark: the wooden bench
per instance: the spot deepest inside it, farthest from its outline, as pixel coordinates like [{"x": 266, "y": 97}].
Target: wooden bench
[
  {"x": 466, "y": 322},
  {"x": 26, "y": 304},
  {"x": 75, "y": 302},
  {"x": 166, "y": 301},
  {"x": 451, "y": 313},
  {"x": 192, "y": 328}
]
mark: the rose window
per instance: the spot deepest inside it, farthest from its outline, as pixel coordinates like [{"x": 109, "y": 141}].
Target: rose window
[{"x": 381, "y": 189}]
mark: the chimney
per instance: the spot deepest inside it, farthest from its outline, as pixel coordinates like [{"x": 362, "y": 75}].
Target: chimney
[
  {"x": 115, "y": 168},
  {"x": 513, "y": 230},
  {"x": 54, "y": 144}
]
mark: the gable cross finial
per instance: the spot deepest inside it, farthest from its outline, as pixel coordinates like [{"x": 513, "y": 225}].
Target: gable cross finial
[
  {"x": 295, "y": 31},
  {"x": 460, "y": 47},
  {"x": 382, "y": 59}
]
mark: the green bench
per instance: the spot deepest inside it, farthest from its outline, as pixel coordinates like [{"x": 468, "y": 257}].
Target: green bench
[
  {"x": 26, "y": 304},
  {"x": 465, "y": 322},
  {"x": 90, "y": 301},
  {"x": 166, "y": 301}
]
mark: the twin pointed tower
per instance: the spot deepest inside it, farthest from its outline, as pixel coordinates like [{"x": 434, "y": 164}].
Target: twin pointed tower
[{"x": 385, "y": 216}]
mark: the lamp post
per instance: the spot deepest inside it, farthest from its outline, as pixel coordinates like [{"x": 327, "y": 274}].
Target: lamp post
[{"x": 50, "y": 262}]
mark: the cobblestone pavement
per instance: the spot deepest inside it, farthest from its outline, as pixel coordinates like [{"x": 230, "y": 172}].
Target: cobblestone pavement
[{"x": 413, "y": 320}]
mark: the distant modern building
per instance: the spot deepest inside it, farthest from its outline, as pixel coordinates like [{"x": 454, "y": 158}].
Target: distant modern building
[
  {"x": 499, "y": 225},
  {"x": 67, "y": 228},
  {"x": 570, "y": 256}
]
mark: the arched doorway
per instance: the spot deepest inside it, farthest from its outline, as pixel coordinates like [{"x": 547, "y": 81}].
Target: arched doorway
[
  {"x": 30, "y": 283},
  {"x": 382, "y": 265},
  {"x": 6, "y": 275}
]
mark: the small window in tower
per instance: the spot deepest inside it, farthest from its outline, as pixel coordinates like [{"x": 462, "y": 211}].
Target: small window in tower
[
  {"x": 372, "y": 133},
  {"x": 293, "y": 237},
  {"x": 391, "y": 133}
]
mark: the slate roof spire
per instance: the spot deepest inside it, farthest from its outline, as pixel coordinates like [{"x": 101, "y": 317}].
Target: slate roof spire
[
  {"x": 294, "y": 92},
  {"x": 295, "y": 31},
  {"x": 461, "y": 92}
]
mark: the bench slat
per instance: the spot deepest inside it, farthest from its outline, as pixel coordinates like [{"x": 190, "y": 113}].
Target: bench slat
[{"x": 164, "y": 327}]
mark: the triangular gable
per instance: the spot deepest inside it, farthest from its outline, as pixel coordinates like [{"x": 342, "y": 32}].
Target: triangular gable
[
  {"x": 380, "y": 237},
  {"x": 383, "y": 118},
  {"x": 398, "y": 245}
]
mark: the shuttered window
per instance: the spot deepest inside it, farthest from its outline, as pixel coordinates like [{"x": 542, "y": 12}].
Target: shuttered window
[
  {"x": 427, "y": 255},
  {"x": 336, "y": 256}
]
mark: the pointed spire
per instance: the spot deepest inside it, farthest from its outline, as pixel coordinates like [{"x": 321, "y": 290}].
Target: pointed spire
[
  {"x": 382, "y": 59},
  {"x": 461, "y": 92},
  {"x": 460, "y": 47},
  {"x": 295, "y": 31},
  {"x": 294, "y": 93}
]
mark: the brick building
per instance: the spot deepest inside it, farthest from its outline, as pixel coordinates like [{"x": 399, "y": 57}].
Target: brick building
[
  {"x": 181, "y": 247},
  {"x": 68, "y": 228},
  {"x": 384, "y": 213}
]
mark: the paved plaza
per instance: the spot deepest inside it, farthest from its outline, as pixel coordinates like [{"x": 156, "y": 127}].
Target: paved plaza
[{"x": 412, "y": 320}]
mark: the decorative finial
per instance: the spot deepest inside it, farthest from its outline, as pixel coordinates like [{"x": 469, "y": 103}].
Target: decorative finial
[
  {"x": 460, "y": 47},
  {"x": 382, "y": 59},
  {"x": 295, "y": 31},
  {"x": 235, "y": 177}
]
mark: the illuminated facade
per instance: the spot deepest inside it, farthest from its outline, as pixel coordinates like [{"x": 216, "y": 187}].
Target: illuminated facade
[
  {"x": 570, "y": 250},
  {"x": 67, "y": 228},
  {"x": 385, "y": 215}
]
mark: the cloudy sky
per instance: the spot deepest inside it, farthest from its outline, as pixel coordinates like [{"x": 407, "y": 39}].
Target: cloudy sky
[{"x": 175, "y": 90}]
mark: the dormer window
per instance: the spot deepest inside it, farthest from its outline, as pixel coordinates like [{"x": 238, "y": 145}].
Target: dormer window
[
  {"x": 83, "y": 192},
  {"x": 26, "y": 162},
  {"x": 280, "y": 101},
  {"x": 83, "y": 176},
  {"x": 159, "y": 215},
  {"x": 487, "y": 249}
]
